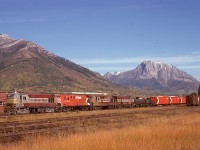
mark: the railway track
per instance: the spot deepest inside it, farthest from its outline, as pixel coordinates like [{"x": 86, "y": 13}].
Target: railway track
[
  {"x": 13, "y": 131},
  {"x": 56, "y": 121},
  {"x": 9, "y": 130}
]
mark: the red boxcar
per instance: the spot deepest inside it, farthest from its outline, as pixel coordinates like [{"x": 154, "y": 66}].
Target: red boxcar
[
  {"x": 175, "y": 100},
  {"x": 183, "y": 99},
  {"x": 3, "y": 98},
  {"x": 160, "y": 100}
]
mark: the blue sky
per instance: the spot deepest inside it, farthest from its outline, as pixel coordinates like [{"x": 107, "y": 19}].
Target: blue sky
[{"x": 109, "y": 35}]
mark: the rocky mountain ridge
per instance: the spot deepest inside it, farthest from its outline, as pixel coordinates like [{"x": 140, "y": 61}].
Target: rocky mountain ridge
[
  {"x": 26, "y": 66},
  {"x": 155, "y": 76}
]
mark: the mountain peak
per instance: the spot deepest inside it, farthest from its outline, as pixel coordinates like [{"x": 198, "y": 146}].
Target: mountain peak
[
  {"x": 5, "y": 39},
  {"x": 29, "y": 67},
  {"x": 162, "y": 72},
  {"x": 4, "y": 36},
  {"x": 111, "y": 74},
  {"x": 152, "y": 63},
  {"x": 26, "y": 49},
  {"x": 156, "y": 75}
]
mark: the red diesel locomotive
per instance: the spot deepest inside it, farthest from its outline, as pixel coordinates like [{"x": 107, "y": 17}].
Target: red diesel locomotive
[
  {"x": 72, "y": 101},
  {"x": 28, "y": 102},
  {"x": 3, "y": 98}
]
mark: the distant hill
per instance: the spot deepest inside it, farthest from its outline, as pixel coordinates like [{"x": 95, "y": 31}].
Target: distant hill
[
  {"x": 26, "y": 66},
  {"x": 156, "y": 76}
]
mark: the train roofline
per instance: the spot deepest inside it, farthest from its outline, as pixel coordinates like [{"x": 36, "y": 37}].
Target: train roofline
[{"x": 86, "y": 93}]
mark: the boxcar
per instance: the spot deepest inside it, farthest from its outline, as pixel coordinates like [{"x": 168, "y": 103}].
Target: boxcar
[
  {"x": 193, "y": 100},
  {"x": 175, "y": 100},
  {"x": 160, "y": 100},
  {"x": 182, "y": 99}
]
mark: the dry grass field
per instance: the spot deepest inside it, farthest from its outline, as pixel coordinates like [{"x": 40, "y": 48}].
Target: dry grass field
[{"x": 180, "y": 130}]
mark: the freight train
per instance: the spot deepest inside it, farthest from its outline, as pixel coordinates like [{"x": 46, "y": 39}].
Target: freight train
[{"x": 19, "y": 103}]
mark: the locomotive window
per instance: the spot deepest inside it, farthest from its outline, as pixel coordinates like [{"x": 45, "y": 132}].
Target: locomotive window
[
  {"x": 1, "y": 103},
  {"x": 20, "y": 97},
  {"x": 24, "y": 97},
  {"x": 98, "y": 99},
  {"x": 51, "y": 100}
]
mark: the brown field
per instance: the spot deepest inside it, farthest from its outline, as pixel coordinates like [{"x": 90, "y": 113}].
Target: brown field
[{"x": 153, "y": 129}]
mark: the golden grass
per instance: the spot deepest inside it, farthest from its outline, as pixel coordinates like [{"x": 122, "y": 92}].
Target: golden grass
[
  {"x": 180, "y": 132},
  {"x": 31, "y": 117}
]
